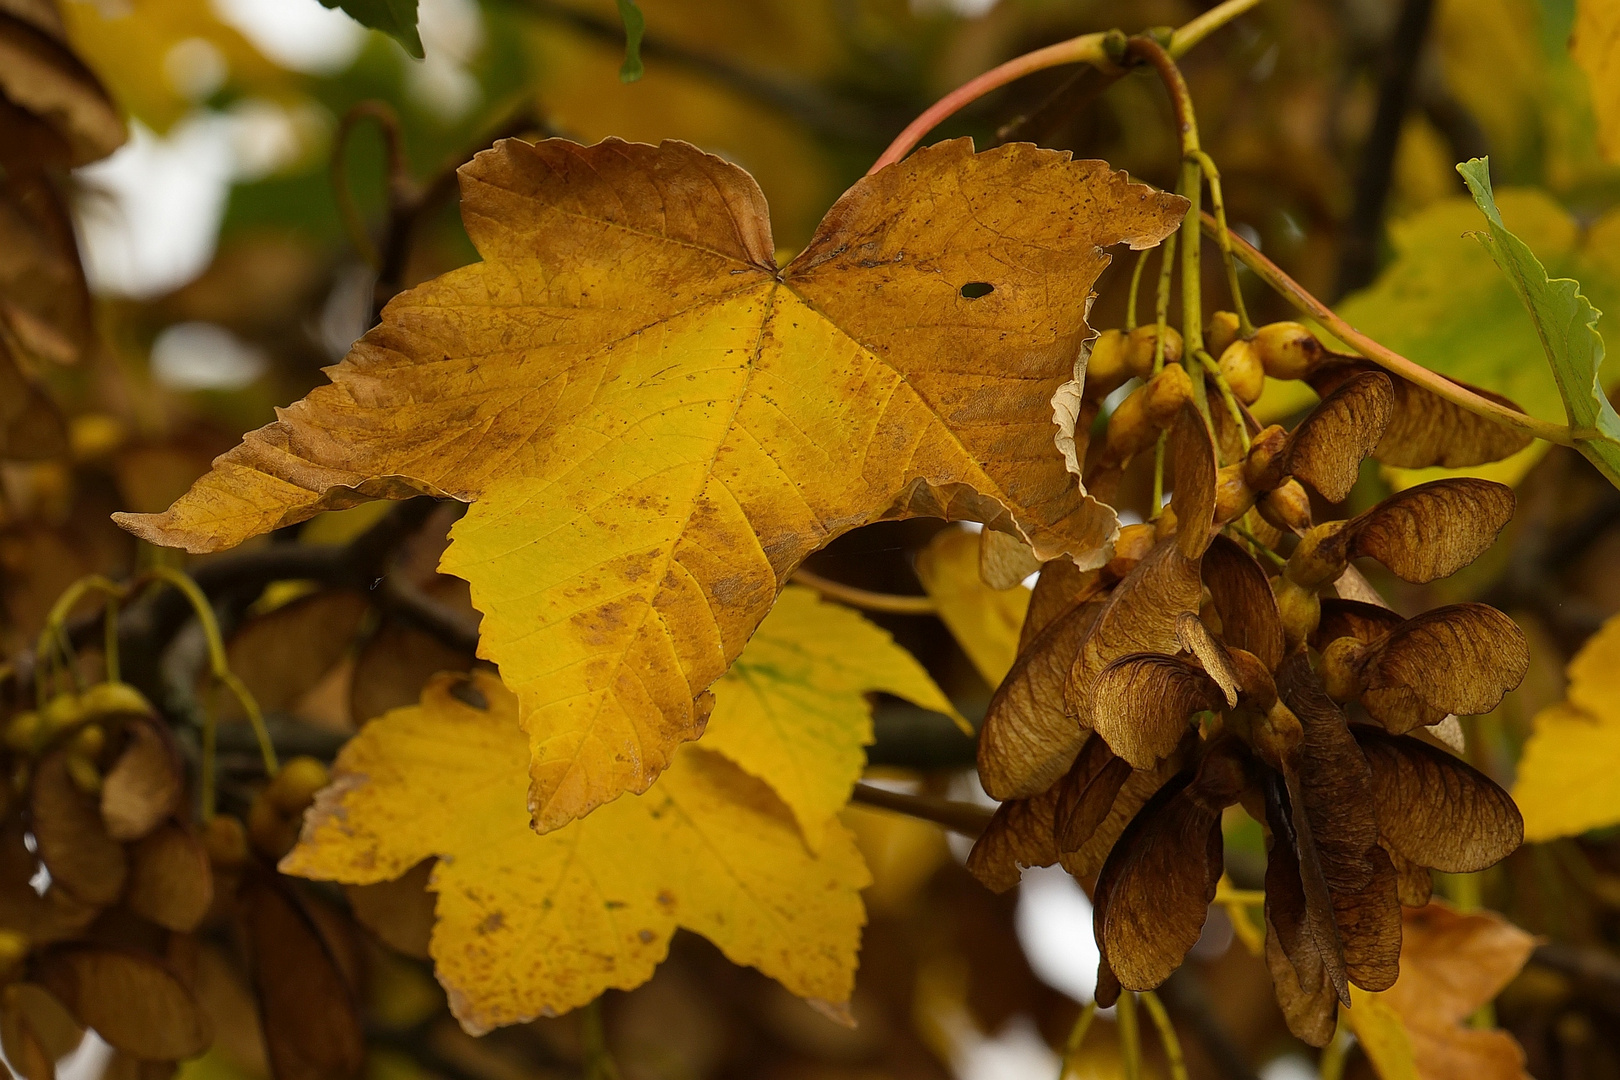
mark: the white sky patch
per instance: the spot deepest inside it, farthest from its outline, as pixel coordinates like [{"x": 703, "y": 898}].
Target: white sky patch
[
  {"x": 1053, "y": 921},
  {"x": 205, "y": 356},
  {"x": 1288, "y": 1067},
  {"x": 298, "y": 34},
  {"x": 452, "y": 37},
  {"x": 1017, "y": 1053}
]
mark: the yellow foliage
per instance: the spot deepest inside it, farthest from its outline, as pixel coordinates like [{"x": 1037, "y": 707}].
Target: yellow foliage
[
  {"x": 1596, "y": 47},
  {"x": 655, "y": 425},
  {"x": 792, "y": 710},
  {"x": 1567, "y": 782},
  {"x": 139, "y": 50},
  {"x": 984, "y": 621},
  {"x": 530, "y": 925},
  {"x": 1382, "y": 1035}
]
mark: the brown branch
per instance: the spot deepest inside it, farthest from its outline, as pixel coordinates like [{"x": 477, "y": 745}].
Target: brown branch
[{"x": 966, "y": 818}]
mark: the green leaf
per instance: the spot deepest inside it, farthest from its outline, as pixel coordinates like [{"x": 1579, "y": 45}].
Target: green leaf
[
  {"x": 635, "y": 25},
  {"x": 1565, "y": 321},
  {"x": 396, "y": 18}
]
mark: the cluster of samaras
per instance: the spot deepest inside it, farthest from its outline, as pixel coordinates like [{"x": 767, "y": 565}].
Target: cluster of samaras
[{"x": 1230, "y": 653}]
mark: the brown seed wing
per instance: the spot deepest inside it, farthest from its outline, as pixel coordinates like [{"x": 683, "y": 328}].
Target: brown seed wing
[
  {"x": 1086, "y": 794},
  {"x": 1437, "y": 810},
  {"x": 1061, "y": 587},
  {"x": 1140, "y": 786},
  {"x": 1019, "y": 835},
  {"x": 1140, "y": 704},
  {"x": 1192, "y": 457},
  {"x": 1369, "y": 922},
  {"x": 134, "y": 1000},
  {"x": 1414, "y": 884},
  {"x": 1424, "y": 428},
  {"x": 1434, "y": 529},
  {"x": 1353, "y": 619},
  {"x": 1326, "y": 449},
  {"x": 1461, "y": 658},
  {"x": 144, "y": 785},
  {"x": 171, "y": 882},
  {"x": 1241, "y": 593},
  {"x": 1028, "y": 739},
  {"x": 311, "y": 1027},
  {"x": 1140, "y": 617},
  {"x": 1156, "y": 887},
  {"x": 72, "y": 840}
]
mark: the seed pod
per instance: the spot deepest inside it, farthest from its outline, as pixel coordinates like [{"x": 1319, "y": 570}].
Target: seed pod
[
  {"x": 1287, "y": 350},
  {"x": 272, "y": 833},
  {"x": 1287, "y": 508},
  {"x": 1221, "y": 331},
  {"x": 1106, "y": 369},
  {"x": 1233, "y": 496},
  {"x": 1132, "y": 546},
  {"x": 22, "y": 732},
  {"x": 84, "y": 774},
  {"x": 90, "y": 740},
  {"x": 1300, "y": 610},
  {"x": 1240, "y": 366},
  {"x": 1341, "y": 669},
  {"x": 1149, "y": 409},
  {"x": 226, "y": 842},
  {"x": 62, "y": 712},
  {"x": 1166, "y": 524},
  {"x": 294, "y": 787},
  {"x": 109, "y": 699},
  {"x": 1140, "y": 348}
]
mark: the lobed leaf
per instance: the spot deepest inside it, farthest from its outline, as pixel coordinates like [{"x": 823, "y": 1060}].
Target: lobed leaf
[
  {"x": 793, "y": 710},
  {"x": 655, "y": 424},
  {"x": 530, "y": 925}
]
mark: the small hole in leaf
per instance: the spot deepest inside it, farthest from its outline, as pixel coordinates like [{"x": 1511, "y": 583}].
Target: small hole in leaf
[
  {"x": 975, "y": 289},
  {"x": 468, "y": 694}
]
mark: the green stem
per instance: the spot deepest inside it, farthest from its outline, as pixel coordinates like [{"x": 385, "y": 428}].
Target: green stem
[
  {"x": 1335, "y": 1054},
  {"x": 599, "y": 1063},
  {"x": 1232, "y": 407},
  {"x": 1385, "y": 357},
  {"x": 1130, "y": 1036},
  {"x": 1077, "y": 1035},
  {"x": 1167, "y": 1035},
  {"x": 1218, "y": 203},
  {"x": 1136, "y": 284}
]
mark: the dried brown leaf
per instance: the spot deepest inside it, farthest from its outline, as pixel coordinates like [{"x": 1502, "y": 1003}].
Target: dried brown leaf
[
  {"x": 144, "y": 785},
  {"x": 133, "y": 1000},
  {"x": 72, "y": 840},
  {"x": 171, "y": 882},
  {"x": 1435, "y": 809}
]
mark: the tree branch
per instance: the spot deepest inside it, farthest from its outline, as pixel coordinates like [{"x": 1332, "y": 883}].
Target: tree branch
[{"x": 1364, "y": 231}]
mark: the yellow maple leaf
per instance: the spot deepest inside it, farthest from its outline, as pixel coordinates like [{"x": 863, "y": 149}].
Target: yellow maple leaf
[
  {"x": 984, "y": 621},
  {"x": 1566, "y": 783},
  {"x": 532, "y": 925},
  {"x": 792, "y": 710},
  {"x": 655, "y": 424}
]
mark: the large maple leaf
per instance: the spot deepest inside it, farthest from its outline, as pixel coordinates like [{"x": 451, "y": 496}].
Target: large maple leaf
[
  {"x": 655, "y": 424},
  {"x": 528, "y": 925}
]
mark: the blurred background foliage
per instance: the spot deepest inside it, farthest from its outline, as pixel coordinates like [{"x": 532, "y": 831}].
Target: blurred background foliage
[{"x": 224, "y": 280}]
